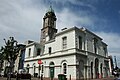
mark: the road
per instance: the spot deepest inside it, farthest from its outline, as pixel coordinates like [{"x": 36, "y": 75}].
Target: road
[{"x": 1, "y": 78}]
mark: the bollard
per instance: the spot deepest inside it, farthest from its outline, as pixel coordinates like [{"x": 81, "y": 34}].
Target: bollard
[{"x": 70, "y": 77}]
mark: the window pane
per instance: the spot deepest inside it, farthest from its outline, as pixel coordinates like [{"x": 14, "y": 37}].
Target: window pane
[
  {"x": 64, "y": 68},
  {"x": 95, "y": 45},
  {"x": 38, "y": 51},
  {"x": 80, "y": 42},
  {"x": 64, "y": 42},
  {"x": 50, "y": 49},
  {"x": 29, "y": 52}
]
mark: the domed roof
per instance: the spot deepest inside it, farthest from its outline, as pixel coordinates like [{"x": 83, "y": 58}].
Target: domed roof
[
  {"x": 50, "y": 9},
  {"x": 50, "y": 13}
]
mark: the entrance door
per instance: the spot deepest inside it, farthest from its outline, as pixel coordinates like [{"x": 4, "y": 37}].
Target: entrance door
[
  {"x": 51, "y": 69},
  {"x": 52, "y": 72}
]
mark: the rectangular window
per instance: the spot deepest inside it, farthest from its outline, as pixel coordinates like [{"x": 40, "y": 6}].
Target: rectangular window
[
  {"x": 105, "y": 51},
  {"x": 29, "y": 52},
  {"x": 49, "y": 50},
  {"x": 64, "y": 42},
  {"x": 43, "y": 35},
  {"x": 95, "y": 45},
  {"x": 38, "y": 51},
  {"x": 80, "y": 42}
]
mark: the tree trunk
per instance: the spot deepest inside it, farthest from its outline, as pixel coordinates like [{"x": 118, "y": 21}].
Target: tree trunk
[
  {"x": 9, "y": 74},
  {"x": 10, "y": 69}
]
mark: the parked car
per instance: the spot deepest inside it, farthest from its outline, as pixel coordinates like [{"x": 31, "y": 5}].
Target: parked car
[
  {"x": 21, "y": 71},
  {"x": 13, "y": 75},
  {"x": 2, "y": 73},
  {"x": 22, "y": 74},
  {"x": 117, "y": 78}
]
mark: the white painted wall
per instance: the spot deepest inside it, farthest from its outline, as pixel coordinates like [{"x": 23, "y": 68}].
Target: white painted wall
[
  {"x": 57, "y": 44},
  {"x": 32, "y": 47},
  {"x": 58, "y": 54}
]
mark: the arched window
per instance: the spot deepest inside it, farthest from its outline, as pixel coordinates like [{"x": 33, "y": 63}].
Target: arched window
[
  {"x": 52, "y": 64},
  {"x": 96, "y": 68},
  {"x": 81, "y": 65},
  {"x": 101, "y": 70},
  {"x": 92, "y": 70},
  {"x": 64, "y": 68}
]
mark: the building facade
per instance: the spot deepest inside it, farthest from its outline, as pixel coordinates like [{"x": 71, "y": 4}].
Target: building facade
[
  {"x": 19, "y": 62},
  {"x": 76, "y": 52}
]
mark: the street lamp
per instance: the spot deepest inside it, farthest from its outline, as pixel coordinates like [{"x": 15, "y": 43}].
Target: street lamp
[
  {"x": 39, "y": 67},
  {"x": 27, "y": 68},
  {"x": 39, "y": 70}
]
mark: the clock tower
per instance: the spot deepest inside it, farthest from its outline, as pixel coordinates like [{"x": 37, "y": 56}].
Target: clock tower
[{"x": 49, "y": 26}]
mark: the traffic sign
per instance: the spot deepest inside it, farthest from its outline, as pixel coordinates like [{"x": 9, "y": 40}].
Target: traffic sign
[{"x": 39, "y": 61}]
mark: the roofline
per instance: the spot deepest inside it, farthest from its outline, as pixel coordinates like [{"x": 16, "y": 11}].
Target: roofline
[
  {"x": 66, "y": 30},
  {"x": 93, "y": 34},
  {"x": 104, "y": 43},
  {"x": 83, "y": 29},
  {"x": 32, "y": 44}
]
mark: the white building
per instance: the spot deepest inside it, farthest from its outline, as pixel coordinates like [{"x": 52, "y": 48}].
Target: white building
[{"x": 76, "y": 52}]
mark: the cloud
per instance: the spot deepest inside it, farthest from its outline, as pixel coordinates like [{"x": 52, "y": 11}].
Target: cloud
[
  {"x": 21, "y": 19},
  {"x": 113, "y": 41},
  {"x": 67, "y": 18},
  {"x": 119, "y": 11},
  {"x": 86, "y": 3}
]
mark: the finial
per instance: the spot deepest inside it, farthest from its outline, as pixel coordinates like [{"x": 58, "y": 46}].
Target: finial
[{"x": 50, "y": 9}]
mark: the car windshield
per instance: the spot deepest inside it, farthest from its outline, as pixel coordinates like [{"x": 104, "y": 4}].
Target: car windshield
[
  {"x": 22, "y": 71},
  {"x": 118, "y": 78}
]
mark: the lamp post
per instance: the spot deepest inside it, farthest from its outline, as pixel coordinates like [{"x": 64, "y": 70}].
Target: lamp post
[
  {"x": 27, "y": 68},
  {"x": 39, "y": 70},
  {"x": 39, "y": 67}
]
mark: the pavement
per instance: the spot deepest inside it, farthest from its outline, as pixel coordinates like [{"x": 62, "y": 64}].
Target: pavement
[
  {"x": 104, "y": 79},
  {"x": 3, "y": 78}
]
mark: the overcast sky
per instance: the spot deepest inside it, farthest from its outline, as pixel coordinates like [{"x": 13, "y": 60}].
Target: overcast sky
[{"x": 22, "y": 19}]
